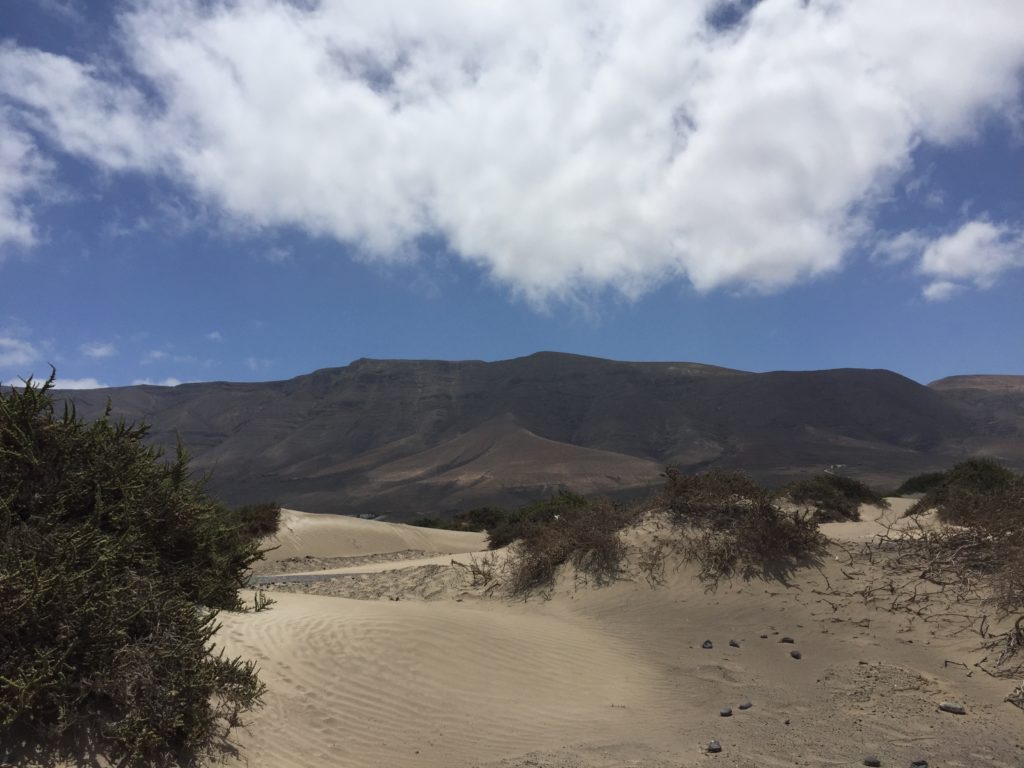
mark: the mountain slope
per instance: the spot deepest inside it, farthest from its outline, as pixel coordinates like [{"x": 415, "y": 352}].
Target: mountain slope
[{"x": 406, "y": 437}]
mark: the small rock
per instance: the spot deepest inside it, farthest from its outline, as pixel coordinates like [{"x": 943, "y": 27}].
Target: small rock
[
  {"x": 786, "y": 722},
  {"x": 707, "y": 645},
  {"x": 796, "y": 654},
  {"x": 714, "y": 747},
  {"x": 734, "y": 643},
  {"x": 919, "y": 764},
  {"x": 787, "y": 639},
  {"x": 746, "y": 705},
  {"x": 872, "y": 761},
  {"x": 956, "y": 709},
  {"x": 725, "y": 712},
  {"x": 764, "y": 635}
]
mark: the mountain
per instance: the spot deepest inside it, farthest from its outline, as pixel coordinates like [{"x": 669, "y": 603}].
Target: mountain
[{"x": 408, "y": 437}]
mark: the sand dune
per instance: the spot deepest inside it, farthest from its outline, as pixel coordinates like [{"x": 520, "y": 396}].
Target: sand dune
[
  {"x": 302, "y": 534},
  {"x": 595, "y": 678},
  {"x": 359, "y": 683}
]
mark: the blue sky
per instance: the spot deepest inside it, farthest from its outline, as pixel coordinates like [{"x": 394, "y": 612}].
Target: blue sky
[{"x": 249, "y": 191}]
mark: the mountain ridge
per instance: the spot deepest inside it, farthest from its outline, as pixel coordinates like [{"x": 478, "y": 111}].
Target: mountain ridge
[{"x": 389, "y": 436}]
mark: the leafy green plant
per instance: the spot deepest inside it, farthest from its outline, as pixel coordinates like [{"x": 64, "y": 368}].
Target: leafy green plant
[{"x": 113, "y": 564}]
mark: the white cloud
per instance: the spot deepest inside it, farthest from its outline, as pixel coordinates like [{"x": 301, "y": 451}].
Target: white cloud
[
  {"x": 975, "y": 255},
  {"x": 940, "y": 290},
  {"x": 88, "y": 383},
  {"x": 562, "y": 147},
  {"x": 277, "y": 255},
  {"x": 215, "y": 336},
  {"x": 170, "y": 381},
  {"x": 16, "y": 353},
  {"x": 153, "y": 355},
  {"x": 257, "y": 363},
  {"x": 902, "y": 247},
  {"x": 98, "y": 350},
  {"x": 23, "y": 170}
]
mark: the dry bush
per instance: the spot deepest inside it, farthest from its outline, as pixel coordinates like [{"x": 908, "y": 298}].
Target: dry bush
[
  {"x": 834, "y": 498},
  {"x": 587, "y": 537},
  {"x": 967, "y": 481},
  {"x": 503, "y": 529},
  {"x": 715, "y": 498},
  {"x": 732, "y": 526},
  {"x": 956, "y": 572},
  {"x": 984, "y": 507},
  {"x": 1016, "y": 696}
]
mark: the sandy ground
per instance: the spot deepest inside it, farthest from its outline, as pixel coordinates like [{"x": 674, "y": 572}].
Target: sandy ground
[{"x": 425, "y": 670}]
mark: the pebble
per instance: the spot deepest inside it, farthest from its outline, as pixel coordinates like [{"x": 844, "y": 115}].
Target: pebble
[
  {"x": 795, "y": 654},
  {"x": 956, "y": 709},
  {"x": 707, "y": 645},
  {"x": 714, "y": 747},
  {"x": 746, "y": 705},
  {"x": 919, "y": 764},
  {"x": 787, "y": 639},
  {"x": 764, "y": 635},
  {"x": 872, "y": 761},
  {"x": 734, "y": 643},
  {"x": 725, "y": 712}
]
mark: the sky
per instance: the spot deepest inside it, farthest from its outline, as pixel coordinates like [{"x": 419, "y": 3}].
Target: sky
[{"x": 198, "y": 190}]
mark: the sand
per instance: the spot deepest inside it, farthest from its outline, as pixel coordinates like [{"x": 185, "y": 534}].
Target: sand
[{"x": 601, "y": 677}]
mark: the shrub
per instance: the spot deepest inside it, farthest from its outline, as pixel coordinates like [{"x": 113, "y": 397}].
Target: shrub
[
  {"x": 476, "y": 520},
  {"x": 963, "y": 487},
  {"x": 920, "y": 483},
  {"x": 585, "y": 535},
  {"x": 257, "y": 521},
  {"x": 715, "y": 498},
  {"x": 733, "y": 526},
  {"x": 833, "y": 497},
  {"x": 520, "y": 523},
  {"x": 112, "y": 566}
]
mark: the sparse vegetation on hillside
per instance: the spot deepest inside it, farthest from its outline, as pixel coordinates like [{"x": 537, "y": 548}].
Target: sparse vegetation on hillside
[
  {"x": 113, "y": 564},
  {"x": 833, "y": 498}
]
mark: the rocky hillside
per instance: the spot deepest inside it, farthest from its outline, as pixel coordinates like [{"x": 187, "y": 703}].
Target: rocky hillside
[{"x": 403, "y": 437}]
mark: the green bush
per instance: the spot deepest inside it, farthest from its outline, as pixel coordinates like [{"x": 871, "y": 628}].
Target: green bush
[
  {"x": 476, "y": 520},
  {"x": 963, "y": 487},
  {"x": 520, "y": 523},
  {"x": 833, "y": 497},
  {"x": 257, "y": 521},
  {"x": 113, "y": 564},
  {"x": 920, "y": 483}
]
